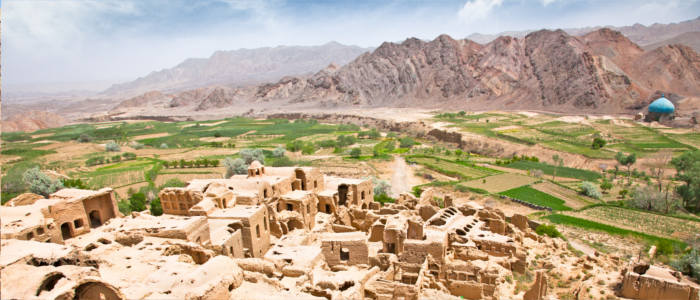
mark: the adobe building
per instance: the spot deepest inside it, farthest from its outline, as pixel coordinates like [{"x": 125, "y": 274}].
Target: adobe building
[
  {"x": 65, "y": 214},
  {"x": 650, "y": 282}
]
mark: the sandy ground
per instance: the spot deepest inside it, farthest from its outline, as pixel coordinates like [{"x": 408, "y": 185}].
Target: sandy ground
[
  {"x": 399, "y": 180},
  {"x": 149, "y": 136}
]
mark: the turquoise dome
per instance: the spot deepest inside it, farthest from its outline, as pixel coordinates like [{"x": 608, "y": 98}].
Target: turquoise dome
[{"x": 662, "y": 106}]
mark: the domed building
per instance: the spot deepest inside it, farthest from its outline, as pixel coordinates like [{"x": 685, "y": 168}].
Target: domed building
[{"x": 660, "y": 110}]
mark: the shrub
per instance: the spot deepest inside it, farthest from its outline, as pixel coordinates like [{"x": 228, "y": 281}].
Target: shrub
[
  {"x": 249, "y": 155},
  {"x": 406, "y": 142},
  {"x": 345, "y": 140},
  {"x": 123, "y": 206},
  {"x": 282, "y": 162},
  {"x": 383, "y": 198},
  {"x": 598, "y": 143},
  {"x": 278, "y": 152},
  {"x": 85, "y": 138},
  {"x": 163, "y": 146},
  {"x": 156, "y": 208},
  {"x": 74, "y": 183},
  {"x": 235, "y": 166},
  {"x": 217, "y": 134},
  {"x": 391, "y": 135},
  {"x": 308, "y": 148},
  {"x": 623, "y": 193},
  {"x": 116, "y": 158},
  {"x": 381, "y": 187},
  {"x": 40, "y": 183},
  {"x": 650, "y": 198},
  {"x": 136, "y": 145},
  {"x": 590, "y": 189},
  {"x": 355, "y": 153},
  {"x": 173, "y": 182},
  {"x": 416, "y": 190},
  {"x": 93, "y": 161},
  {"x": 112, "y": 147},
  {"x": 689, "y": 263},
  {"x": 549, "y": 230},
  {"x": 295, "y": 145},
  {"x": 606, "y": 185},
  {"x": 137, "y": 202},
  {"x": 129, "y": 155}
]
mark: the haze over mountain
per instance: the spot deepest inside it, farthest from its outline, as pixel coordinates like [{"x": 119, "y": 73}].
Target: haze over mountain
[
  {"x": 641, "y": 35},
  {"x": 241, "y": 67}
]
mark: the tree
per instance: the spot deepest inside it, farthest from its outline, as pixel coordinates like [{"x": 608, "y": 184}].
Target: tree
[
  {"x": 278, "y": 152},
  {"x": 166, "y": 164},
  {"x": 137, "y": 202},
  {"x": 112, "y": 147},
  {"x": 406, "y": 142},
  {"x": 373, "y": 134},
  {"x": 688, "y": 170},
  {"x": 606, "y": 186},
  {"x": 235, "y": 166},
  {"x": 598, "y": 143},
  {"x": 156, "y": 208},
  {"x": 85, "y": 138},
  {"x": 626, "y": 160},
  {"x": 355, "y": 152},
  {"x": 249, "y": 155},
  {"x": 74, "y": 183},
  {"x": 623, "y": 193},
  {"x": 40, "y": 183},
  {"x": 558, "y": 162},
  {"x": 649, "y": 198},
  {"x": 381, "y": 187},
  {"x": 590, "y": 189}
]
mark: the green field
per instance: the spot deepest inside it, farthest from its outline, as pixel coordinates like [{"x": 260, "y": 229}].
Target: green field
[
  {"x": 461, "y": 169},
  {"x": 646, "y": 222},
  {"x": 550, "y": 169},
  {"x": 530, "y": 195},
  {"x": 499, "y": 183},
  {"x": 590, "y": 225}
]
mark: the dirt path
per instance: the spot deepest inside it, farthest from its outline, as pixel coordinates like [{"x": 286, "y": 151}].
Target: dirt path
[{"x": 399, "y": 179}]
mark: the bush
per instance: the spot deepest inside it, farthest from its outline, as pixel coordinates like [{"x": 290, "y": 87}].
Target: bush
[
  {"x": 650, "y": 198},
  {"x": 74, "y": 183},
  {"x": 249, "y": 155},
  {"x": 116, "y": 158},
  {"x": 590, "y": 189},
  {"x": 235, "y": 166},
  {"x": 383, "y": 198},
  {"x": 136, "y": 145},
  {"x": 129, "y": 155},
  {"x": 345, "y": 140},
  {"x": 308, "y": 148},
  {"x": 278, "y": 152},
  {"x": 355, "y": 153},
  {"x": 123, "y": 206},
  {"x": 93, "y": 161},
  {"x": 598, "y": 143},
  {"x": 381, "y": 187},
  {"x": 173, "y": 182},
  {"x": 295, "y": 145},
  {"x": 156, "y": 208},
  {"x": 406, "y": 142},
  {"x": 163, "y": 146},
  {"x": 391, "y": 135},
  {"x": 84, "y": 138},
  {"x": 40, "y": 183},
  {"x": 549, "y": 230},
  {"x": 112, "y": 147},
  {"x": 137, "y": 202},
  {"x": 689, "y": 264}
]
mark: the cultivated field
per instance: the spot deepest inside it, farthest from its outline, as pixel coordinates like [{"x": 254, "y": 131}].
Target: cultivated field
[
  {"x": 646, "y": 222},
  {"x": 572, "y": 198},
  {"x": 499, "y": 183}
]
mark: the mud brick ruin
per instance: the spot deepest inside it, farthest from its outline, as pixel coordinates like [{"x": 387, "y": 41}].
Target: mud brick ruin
[{"x": 278, "y": 233}]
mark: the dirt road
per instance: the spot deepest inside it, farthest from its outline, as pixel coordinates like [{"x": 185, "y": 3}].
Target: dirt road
[{"x": 399, "y": 179}]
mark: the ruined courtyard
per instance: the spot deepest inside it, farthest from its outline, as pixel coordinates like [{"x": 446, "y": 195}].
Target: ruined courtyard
[{"x": 293, "y": 232}]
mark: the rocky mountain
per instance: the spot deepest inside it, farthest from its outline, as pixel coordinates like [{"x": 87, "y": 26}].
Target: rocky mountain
[
  {"x": 642, "y": 35},
  {"x": 690, "y": 39},
  {"x": 32, "y": 120},
  {"x": 241, "y": 67},
  {"x": 600, "y": 72}
]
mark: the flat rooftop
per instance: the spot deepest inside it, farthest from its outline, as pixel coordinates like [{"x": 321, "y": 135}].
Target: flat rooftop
[
  {"x": 236, "y": 212},
  {"x": 344, "y": 236}
]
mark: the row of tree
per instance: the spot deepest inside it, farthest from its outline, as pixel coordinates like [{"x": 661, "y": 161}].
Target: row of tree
[{"x": 196, "y": 163}]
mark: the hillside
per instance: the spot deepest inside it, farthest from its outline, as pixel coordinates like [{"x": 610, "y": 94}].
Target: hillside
[
  {"x": 241, "y": 67},
  {"x": 645, "y": 36},
  {"x": 690, "y": 39}
]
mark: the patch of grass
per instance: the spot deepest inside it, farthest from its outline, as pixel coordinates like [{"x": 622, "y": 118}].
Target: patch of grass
[
  {"x": 590, "y": 225},
  {"x": 549, "y": 170},
  {"x": 530, "y": 195},
  {"x": 461, "y": 169}
]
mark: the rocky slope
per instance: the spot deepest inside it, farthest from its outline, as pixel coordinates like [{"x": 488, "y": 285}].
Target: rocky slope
[
  {"x": 241, "y": 67},
  {"x": 645, "y": 36},
  {"x": 32, "y": 120},
  {"x": 690, "y": 39},
  {"x": 600, "y": 72}
]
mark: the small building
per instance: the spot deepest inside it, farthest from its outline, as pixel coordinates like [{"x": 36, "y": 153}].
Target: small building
[
  {"x": 254, "y": 226},
  {"x": 660, "y": 110}
]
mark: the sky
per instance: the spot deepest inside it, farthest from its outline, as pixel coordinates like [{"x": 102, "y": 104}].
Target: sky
[{"x": 84, "y": 44}]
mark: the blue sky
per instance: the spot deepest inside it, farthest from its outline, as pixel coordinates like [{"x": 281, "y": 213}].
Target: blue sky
[{"x": 85, "y": 43}]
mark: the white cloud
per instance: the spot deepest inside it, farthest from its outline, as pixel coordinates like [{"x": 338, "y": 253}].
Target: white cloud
[
  {"x": 547, "y": 2},
  {"x": 475, "y": 10}
]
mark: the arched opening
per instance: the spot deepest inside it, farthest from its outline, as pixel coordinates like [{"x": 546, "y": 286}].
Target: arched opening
[
  {"x": 49, "y": 282},
  {"x": 96, "y": 290},
  {"x": 342, "y": 194},
  {"x": 66, "y": 231},
  {"x": 364, "y": 205},
  {"x": 299, "y": 174},
  {"x": 294, "y": 224},
  {"x": 95, "y": 219}
]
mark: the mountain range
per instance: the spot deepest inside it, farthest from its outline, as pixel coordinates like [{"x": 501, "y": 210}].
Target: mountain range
[{"x": 240, "y": 67}]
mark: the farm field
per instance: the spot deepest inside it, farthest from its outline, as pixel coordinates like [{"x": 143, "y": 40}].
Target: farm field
[
  {"x": 570, "y": 134},
  {"x": 645, "y": 222},
  {"x": 530, "y": 195},
  {"x": 571, "y": 197},
  {"x": 550, "y": 169},
  {"x": 499, "y": 183},
  {"x": 463, "y": 170}
]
